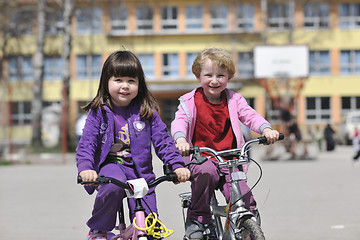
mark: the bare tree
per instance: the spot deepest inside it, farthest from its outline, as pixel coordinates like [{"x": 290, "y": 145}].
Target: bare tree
[
  {"x": 38, "y": 62},
  {"x": 68, "y": 14}
]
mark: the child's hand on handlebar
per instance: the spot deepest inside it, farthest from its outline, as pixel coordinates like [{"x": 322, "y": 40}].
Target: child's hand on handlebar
[
  {"x": 183, "y": 146},
  {"x": 271, "y": 135},
  {"x": 183, "y": 174},
  {"x": 88, "y": 176}
]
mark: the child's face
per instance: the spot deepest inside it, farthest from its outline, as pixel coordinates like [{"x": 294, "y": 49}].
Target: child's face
[
  {"x": 213, "y": 80},
  {"x": 122, "y": 90}
]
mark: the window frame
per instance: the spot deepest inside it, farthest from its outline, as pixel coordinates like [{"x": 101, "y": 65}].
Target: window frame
[
  {"x": 21, "y": 113},
  {"x": 218, "y": 18},
  {"x": 149, "y": 69},
  {"x": 245, "y": 65},
  {"x": 317, "y": 21},
  {"x": 142, "y": 22},
  {"x": 318, "y": 113},
  {"x": 92, "y": 67},
  {"x": 119, "y": 22},
  {"x": 88, "y": 21},
  {"x": 194, "y": 23},
  {"x": 244, "y": 22},
  {"x": 317, "y": 66},
  {"x": 347, "y": 17},
  {"x": 350, "y": 64},
  {"x": 53, "y": 70},
  {"x": 282, "y": 21},
  {"x": 169, "y": 18},
  {"x": 171, "y": 69},
  {"x": 23, "y": 70}
]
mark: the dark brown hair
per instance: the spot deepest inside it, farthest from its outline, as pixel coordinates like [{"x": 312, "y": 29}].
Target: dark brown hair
[{"x": 124, "y": 64}]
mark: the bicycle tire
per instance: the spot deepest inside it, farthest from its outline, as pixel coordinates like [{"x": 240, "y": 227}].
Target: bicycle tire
[{"x": 249, "y": 230}]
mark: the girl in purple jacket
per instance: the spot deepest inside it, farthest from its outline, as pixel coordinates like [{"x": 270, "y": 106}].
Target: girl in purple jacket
[
  {"x": 210, "y": 116},
  {"x": 122, "y": 123}
]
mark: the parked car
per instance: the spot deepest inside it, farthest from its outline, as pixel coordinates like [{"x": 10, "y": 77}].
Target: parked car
[{"x": 346, "y": 129}]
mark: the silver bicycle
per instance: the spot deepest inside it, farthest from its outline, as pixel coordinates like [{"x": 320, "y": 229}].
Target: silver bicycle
[{"x": 240, "y": 223}]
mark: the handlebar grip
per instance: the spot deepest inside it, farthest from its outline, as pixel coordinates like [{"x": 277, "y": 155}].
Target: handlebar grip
[
  {"x": 191, "y": 177},
  {"x": 263, "y": 140},
  {"x": 281, "y": 136},
  {"x": 79, "y": 180},
  {"x": 192, "y": 150}
]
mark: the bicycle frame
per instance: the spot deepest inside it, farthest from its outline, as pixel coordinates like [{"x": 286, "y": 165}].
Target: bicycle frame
[{"x": 131, "y": 232}]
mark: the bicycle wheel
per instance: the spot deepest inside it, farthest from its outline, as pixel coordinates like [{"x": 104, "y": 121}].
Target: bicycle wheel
[{"x": 249, "y": 230}]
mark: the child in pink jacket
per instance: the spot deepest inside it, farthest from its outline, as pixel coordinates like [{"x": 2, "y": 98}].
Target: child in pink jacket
[{"x": 209, "y": 116}]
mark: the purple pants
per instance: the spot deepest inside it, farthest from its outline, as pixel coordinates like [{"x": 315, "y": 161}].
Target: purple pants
[
  {"x": 110, "y": 198},
  {"x": 206, "y": 178}
]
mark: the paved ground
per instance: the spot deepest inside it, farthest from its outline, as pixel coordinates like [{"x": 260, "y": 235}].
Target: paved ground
[{"x": 302, "y": 199}]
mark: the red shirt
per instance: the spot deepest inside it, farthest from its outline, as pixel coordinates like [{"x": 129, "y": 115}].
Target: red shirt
[{"x": 212, "y": 128}]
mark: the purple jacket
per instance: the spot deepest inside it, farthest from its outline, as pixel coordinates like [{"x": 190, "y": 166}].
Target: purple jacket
[{"x": 98, "y": 136}]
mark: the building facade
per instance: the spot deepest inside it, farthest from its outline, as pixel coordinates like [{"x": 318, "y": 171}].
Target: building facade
[{"x": 167, "y": 36}]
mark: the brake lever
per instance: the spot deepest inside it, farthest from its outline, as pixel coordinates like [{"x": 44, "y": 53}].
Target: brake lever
[{"x": 199, "y": 158}]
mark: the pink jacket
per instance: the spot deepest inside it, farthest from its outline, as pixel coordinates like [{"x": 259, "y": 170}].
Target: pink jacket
[{"x": 185, "y": 117}]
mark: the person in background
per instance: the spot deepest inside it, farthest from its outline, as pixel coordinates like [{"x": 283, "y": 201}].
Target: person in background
[
  {"x": 319, "y": 137},
  {"x": 329, "y": 138},
  {"x": 356, "y": 144}
]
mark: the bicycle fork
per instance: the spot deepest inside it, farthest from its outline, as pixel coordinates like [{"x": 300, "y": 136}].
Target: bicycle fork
[
  {"x": 131, "y": 232},
  {"x": 236, "y": 211}
]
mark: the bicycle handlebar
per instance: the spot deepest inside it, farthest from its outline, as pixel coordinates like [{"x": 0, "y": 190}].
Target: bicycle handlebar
[
  {"x": 217, "y": 154},
  {"x": 169, "y": 176}
]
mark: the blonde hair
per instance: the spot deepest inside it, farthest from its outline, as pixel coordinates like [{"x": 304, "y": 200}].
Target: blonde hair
[{"x": 218, "y": 56}]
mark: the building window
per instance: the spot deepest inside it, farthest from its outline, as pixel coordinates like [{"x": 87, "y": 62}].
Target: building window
[
  {"x": 318, "y": 110},
  {"x": 148, "y": 64},
  {"x": 54, "y": 24},
  {"x": 319, "y": 62},
  {"x": 316, "y": 15},
  {"x": 190, "y": 57},
  {"x": 144, "y": 18},
  {"x": 349, "y": 15},
  {"x": 279, "y": 16},
  {"x": 118, "y": 20},
  {"x": 350, "y": 62},
  {"x": 88, "y": 67},
  {"x": 349, "y": 104},
  {"x": 53, "y": 67},
  {"x": 21, "y": 113},
  {"x": 170, "y": 67},
  {"x": 88, "y": 20},
  {"x": 22, "y": 22},
  {"x": 245, "y": 17},
  {"x": 246, "y": 65},
  {"x": 218, "y": 16},
  {"x": 20, "y": 68},
  {"x": 169, "y": 15},
  {"x": 194, "y": 17}
]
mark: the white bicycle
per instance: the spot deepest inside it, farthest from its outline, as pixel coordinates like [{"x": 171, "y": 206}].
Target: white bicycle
[{"x": 240, "y": 223}]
